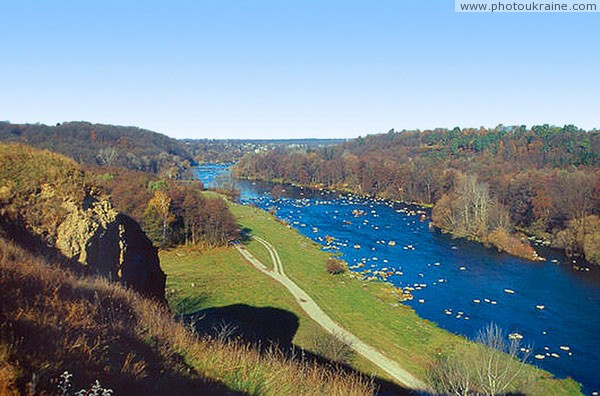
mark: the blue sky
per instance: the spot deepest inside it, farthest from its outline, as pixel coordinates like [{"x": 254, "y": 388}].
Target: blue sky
[{"x": 290, "y": 69}]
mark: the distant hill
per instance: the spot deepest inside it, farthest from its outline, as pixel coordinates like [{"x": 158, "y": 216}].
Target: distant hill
[
  {"x": 100, "y": 144},
  {"x": 232, "y": 150}
]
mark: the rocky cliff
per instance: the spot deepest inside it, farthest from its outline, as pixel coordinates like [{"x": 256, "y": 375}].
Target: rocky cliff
[
  {"x": 111, "y": 245},
  {"x": 48, "y": 197}
]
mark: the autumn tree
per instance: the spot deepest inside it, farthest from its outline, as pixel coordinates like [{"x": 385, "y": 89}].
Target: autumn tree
[
  {"x": 158, "y": 213},
  {"x": 469, "y": 210}
]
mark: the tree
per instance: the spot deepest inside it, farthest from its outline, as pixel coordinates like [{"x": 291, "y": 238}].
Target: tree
[
  {"x": 107, "y": 156},
  {"x": 581, "y": 237},
  {"x": 334, "y": 347},
  {"x": 493, "y": 367},
  {"x": 498, "y": 365},
  {"x": 469, "y": 211},
  {"x": 159, "y": 207}
]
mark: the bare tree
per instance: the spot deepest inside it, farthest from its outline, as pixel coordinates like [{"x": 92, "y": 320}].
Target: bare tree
[
  {"x": 450, "y": 375},
  {"x": 224, "y": 330},
  {"x": 107, "y": 156},
  {"x": 498, "y": 362},
  {"x": 492, "y": 367}
]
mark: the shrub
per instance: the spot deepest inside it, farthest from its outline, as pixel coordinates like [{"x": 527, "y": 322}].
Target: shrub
[
  {"x": 334, "y": 347},
  {"x": 336, "y": 266},
  {"x": 508, "y": 243}
]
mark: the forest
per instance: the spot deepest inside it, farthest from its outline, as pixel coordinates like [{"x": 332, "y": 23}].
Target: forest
[
  {"x": 108, "y": 145},
  {"x": 493, "y": 185},
  {"x": 139, "y": 149}
]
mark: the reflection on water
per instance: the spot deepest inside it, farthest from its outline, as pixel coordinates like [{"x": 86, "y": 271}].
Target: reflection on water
[{"x": 462, "y": 286}]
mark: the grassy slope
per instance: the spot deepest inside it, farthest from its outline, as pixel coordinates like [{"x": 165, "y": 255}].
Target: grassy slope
[
  {"x": 221, "y": 277},
  {"x": 364, "y": 308},
  {"x": 52, "y": 320}
]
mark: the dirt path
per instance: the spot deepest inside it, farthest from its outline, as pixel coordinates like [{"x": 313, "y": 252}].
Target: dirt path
[{"x": 317, "y": 314}]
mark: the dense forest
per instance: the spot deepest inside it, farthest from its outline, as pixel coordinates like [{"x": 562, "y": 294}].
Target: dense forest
[
  {"x": 485, "y": 184},
  {"x": 110, "y": 145},
  {"x": 139, "y": 149}
]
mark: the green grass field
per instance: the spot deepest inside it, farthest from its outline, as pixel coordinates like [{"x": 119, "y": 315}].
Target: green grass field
[
  {"x": 221, "y": 277},
  {"x": 367, "y": 309}
]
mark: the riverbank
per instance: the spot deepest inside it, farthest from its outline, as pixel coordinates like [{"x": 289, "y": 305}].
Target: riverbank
[
  {"x": 370, "y": 310},
  {"x": 499, "y": 239}
]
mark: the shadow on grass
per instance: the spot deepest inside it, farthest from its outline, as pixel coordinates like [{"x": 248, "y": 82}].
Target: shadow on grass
[{"x": 265, "y": 327}]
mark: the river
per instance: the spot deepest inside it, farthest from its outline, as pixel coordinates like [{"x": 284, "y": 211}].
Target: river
[{"x": 460, "y": 285}]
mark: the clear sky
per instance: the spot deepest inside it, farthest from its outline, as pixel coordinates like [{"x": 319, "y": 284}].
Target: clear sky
[{"x": 297, "y": 68}]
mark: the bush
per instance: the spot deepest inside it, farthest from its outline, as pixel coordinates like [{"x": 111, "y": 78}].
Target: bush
[
  {"x": 334, "y": 347},
  {"x": 336, "y": 266},
  {"x": 508, "y": 243},
  {"x": 581, "y": 237}
]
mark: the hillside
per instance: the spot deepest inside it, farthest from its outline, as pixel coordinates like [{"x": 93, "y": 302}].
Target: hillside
[
  {"x": 48, "y": 204},
  {"x": 485, "y": 184},
  {"x": 65, "y": 322},
  {"x": 101, "y": 144},
  {"x": 52, "y": 321}
]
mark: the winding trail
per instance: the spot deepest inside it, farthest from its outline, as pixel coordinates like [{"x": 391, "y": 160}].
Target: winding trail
[{"x": 318, "y": 315}]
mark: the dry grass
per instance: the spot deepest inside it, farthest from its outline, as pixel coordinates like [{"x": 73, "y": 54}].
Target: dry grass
[{"x": 52, "y": 321}]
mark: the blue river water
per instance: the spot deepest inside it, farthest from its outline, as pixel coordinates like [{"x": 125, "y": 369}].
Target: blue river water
[{"x": 460, "y": 285}]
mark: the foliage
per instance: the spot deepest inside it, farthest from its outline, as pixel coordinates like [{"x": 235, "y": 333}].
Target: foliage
[
  {"x": 158, "y": 212},
  {"x": 36, "y": 185},
  {"x": 334, "y": 347},
  {"x": 129, "y": 190},
  {"x": 505, "y": 242},
  {"x": 108, "y": 145},
  {"x": 199, "y": 219},
  {"x": 582, "y": 238},
  {"x": 469, "y": 210},
  {"x": 189, "y": 218}
]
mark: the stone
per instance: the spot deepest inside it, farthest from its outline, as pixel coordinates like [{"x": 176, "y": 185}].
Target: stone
[{"x": 111, "y": 245}]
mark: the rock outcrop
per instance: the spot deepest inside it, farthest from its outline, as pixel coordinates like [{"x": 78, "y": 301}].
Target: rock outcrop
[
  {"x": 46, "y": 198},
  {"x": 111, "y": 245}
]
